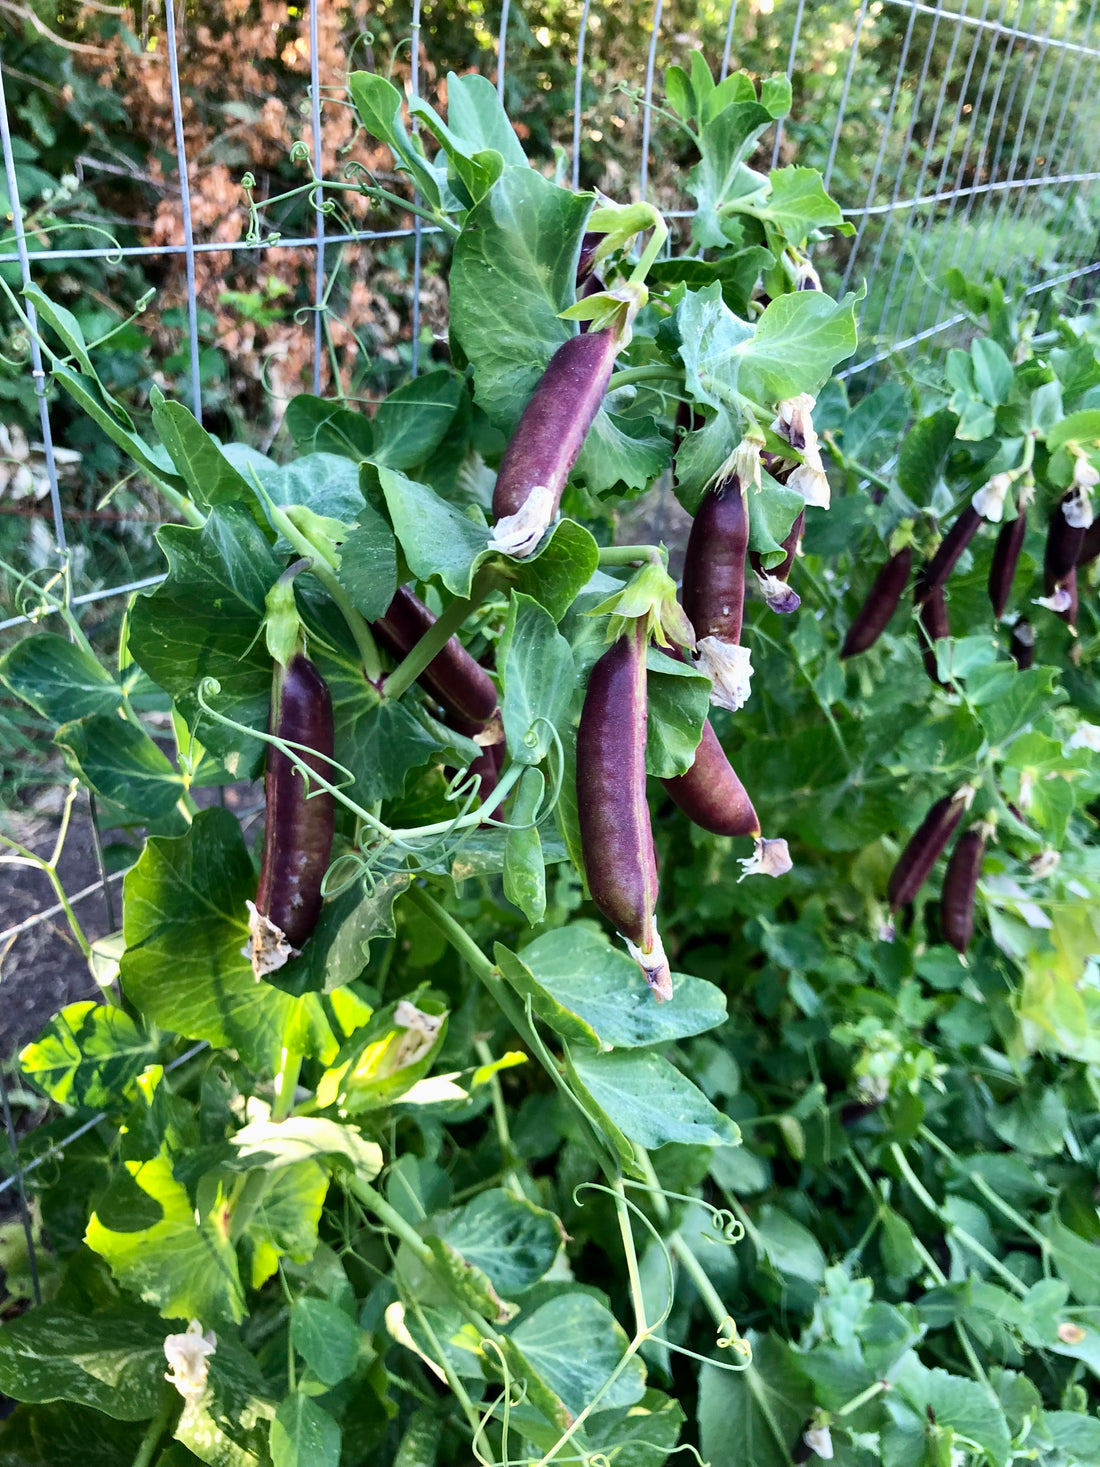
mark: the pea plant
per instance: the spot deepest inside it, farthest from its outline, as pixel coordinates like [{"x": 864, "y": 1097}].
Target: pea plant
[{"x": 587, "y": 1060}]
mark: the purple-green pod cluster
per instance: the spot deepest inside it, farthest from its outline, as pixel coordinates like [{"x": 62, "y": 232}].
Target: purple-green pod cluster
[
  {"x": 925, "y": 847},
  {"x": 548, "y": 439},
  {"x": 300, "y": 825},
  {"x": 616, "y": 835},
  {"x": 459, "y": 684},
  {"x": 960, "y": 888},
  {"x": 714, "y": 589},
  {"x": 882, "y": 601},
  {"x": 1006, "y": 557}
]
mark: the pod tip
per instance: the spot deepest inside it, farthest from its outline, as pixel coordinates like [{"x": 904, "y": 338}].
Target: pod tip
[
  {"x": 518, "y": 534},
  {"x": 267, "y": 947},
  {"x": 729, "y": 666},
  {"x": 769, "y": 858},
  {"x": 654, "y": 966}
]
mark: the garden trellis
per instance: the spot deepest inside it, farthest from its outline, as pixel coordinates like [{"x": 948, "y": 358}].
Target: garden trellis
[{"x": 982, "y": 146}]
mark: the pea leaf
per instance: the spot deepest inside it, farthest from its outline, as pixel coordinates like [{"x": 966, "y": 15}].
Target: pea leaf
[
  {"x": 756, "y": 1414},
  {"x": 368, "y": 563},
  {"x": 121, "y": 763},
  {"x": 437, "y": 538},
  {"x": 319, "y": 425},
  {"x": 797, "y": 342},
  {"x": 326, "y": 1338},
  {"x": 208, "y": 474},
  {"x": 185, "y": 923},
  {"x": 591, "y": 992},
  {"x": 647, "y": 1099},
  {"x": 303, "y": 1434},
  {"x": 537, "y": 676},
  {"x": 412, "y": 421},
  {"x": 678, "y": 699},
  {"x": 89, "y": 1054},
  {"x": 111, "y": 1359},
  {"x": 285, "y": 1218},
  {"x": 798, "y": 204},
  {"x": 511, "y": 1240},
  {"x": 58, "y": 679},
  {"x": 339, "y": 948},
  {"x": 185, "y": 1267},
  {"x": 548, "y": 1342}
]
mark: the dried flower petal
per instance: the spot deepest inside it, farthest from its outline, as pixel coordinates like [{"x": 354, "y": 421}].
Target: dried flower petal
[
  {"x": 1060, "y": 601},
  {"x": 729, "y": 666},
  {"x": 518, "y": 534},
  {"x": 769, "y": 858},
  {"x": 1077, "y": 507},
  {"x": 778, "y": 594},
  {"x": 1084, "y": 736},
  {"x": 654, "y": 966}
]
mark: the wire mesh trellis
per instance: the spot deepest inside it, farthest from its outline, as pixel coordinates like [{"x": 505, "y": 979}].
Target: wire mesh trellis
[{"x": 978, "y": 145}]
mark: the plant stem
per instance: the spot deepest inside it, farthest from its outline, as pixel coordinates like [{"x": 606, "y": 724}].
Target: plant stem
[
  {"x": 874, "y": 1389},
  {"x": 286, "y": 1081},
  {"x": 644, "y": 374},
  {"x": 684, "y": 1256},
  {"x": 500, "y": 1118},
  {"x": 630, "y": 554},
  {"x": 155, "y": 1430}
]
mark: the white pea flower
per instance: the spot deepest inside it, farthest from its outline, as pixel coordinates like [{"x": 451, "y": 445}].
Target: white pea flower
[
  {"x": 778, "y": 594},
  {"x": 769, "y": 858},
  {"x": 1077, "y": 507},
  {"x": 1044, "y": 863},
  {"x": 1085, "y": 736},
  {"x": 187, "y": 1354},
  {"x": 1059, "y": 602},
  {"x": 1027, "y": 788},
  {"x": 745, "y": 463},
  {"x": 989, "y": 501},
  {"x": 1084, "y": 475},
  {"x": 794, "y": 422}
]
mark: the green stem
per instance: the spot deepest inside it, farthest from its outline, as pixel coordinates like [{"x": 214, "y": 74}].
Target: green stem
[
  {"x": 644, "y": 374},
  {"x": 500, "y": 1119},
  {"x": 357, "y": 623},
  {"x": 434, "y": 639},
  {"x": 684, "y": 1256},
  {"x": 980, "y": 1185},
  {"x": 156, "y": 1429},
  {"x": 631, "y": 554},
  {"x": 652, "y": 250},
  {"x": 383, "y": 195},
  {"x": 286, "y": 1081},
  {"x": 180, "y": 503},
  {"x": 637, "y": 1298},
  {"x": 874, "y": 1389}
]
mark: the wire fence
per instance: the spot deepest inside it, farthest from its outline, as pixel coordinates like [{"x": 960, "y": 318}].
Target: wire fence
[{"x": 981, "y": 150}]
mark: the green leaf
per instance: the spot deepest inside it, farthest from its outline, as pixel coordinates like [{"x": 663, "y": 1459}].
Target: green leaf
[
  {"x": 798, "y": 203},
  {"x": 339, "y": 947},
  {"x": 875, "y": 424},
  {"x": 757, "y": 1414},
  {"x": 368, "y": 564},
  {"x": 678, "y": 701},
  {"x": 185, "y": 925},
  {"x": 789, "y": 1247},
  {"x": 275, "y": 1144},
  {"x": 513, "y": 270},
  {"x": 89, "y": 1054},
  {"x": 511, "y": 1240},
  {"x": 412, "y": 421},
  {"x": 558, "y": 570},
  {"x": 798, "y": 341},
  {"x": 285, "y": 1218},
  {"x": 923, "y": 455},
  {"x": 319, "y": 425},
  {"x": 712, "y": 342},
  {"x": 303, "y": 1434},
  {"x": 524, "y": 867},
  {"x": 64, "y": 323},
  {"x": 967, "y": 1406},
  {"x": 325, "y": 483},
  {"x": 185, "y": 1267},
  {"x": 378, "y": 103},
  {"x": 1035, "y": 1122},
  {"x": 208, "y": 474},
  {"x": 204, "y": 621},
  {"x": 591, "y": 992},
  {"x": 437, "y": 538},
  {"x": 58, "y": 678},
  {"x": 647, "y": 1099},
  {"x": 85, "y": 393},
  {"x": 992, "y": 371},
  {"x": 111, "y": 1360},
  {"x": 726, "y": 143},
  {"x": 1004, "y": 708},
  {"x": 537, "y": 674},
  {"x": 573, "y": 1343},
  {"x": 1082, "y": 427},
  {"x": 621, "y": 453},
  {"x": 326, "y": 1339},
  {"x": 121, "y": 763}
]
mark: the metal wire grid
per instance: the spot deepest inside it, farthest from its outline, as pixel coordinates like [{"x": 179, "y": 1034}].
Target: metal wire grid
[{"x": 887, "y": 225}]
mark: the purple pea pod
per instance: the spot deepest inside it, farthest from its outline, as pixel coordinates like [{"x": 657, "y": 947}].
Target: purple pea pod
[
  {"x": 548, "y": 439},
  {"x": 934, "y": 575},
  {"x": 882, "y": 601},
  {"x": 461, "y": 686},
  {"x": 586, "y": 260},
  {"x": 1006, "y": 556},
  {"x": 615, "y": 830},
  {"x": 932, "y": 625},
  {"x": 714, "y": 589},
  {"x": 925, "y": 847},
  {"x": 299, "y": 830},
  {"x": 1090, "y": 545},
  {"x": 773, "y": 583},
  {"x": 1065, "y": 539},
  {"x": 711, "y": 794},
  {"x": 960, "y": 887},
  {"x": 1022, "y": 645}
]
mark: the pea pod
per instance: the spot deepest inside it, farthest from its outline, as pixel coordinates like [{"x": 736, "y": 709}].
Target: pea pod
[
  {"x": 1006, "y": 556},
  {"x": 548, "y": 438},
  {"x": 711, "y": 794},
  {"x": 299, "y": 829},
  {"x": 934, "y": 575},
  {"x": 882, "y": 601},
  {"x": 461, "y": 686},
  {"x": 1090, "y": 545},
  {"x": 925, "y": 847},
  {"x": 960, "y": 886},
  {"x": 1022, "y": 645},
  {"x": 714, "y": 589},
  {"x": 1065, "y": 538},
  {"x": 616, "y": 835}
]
